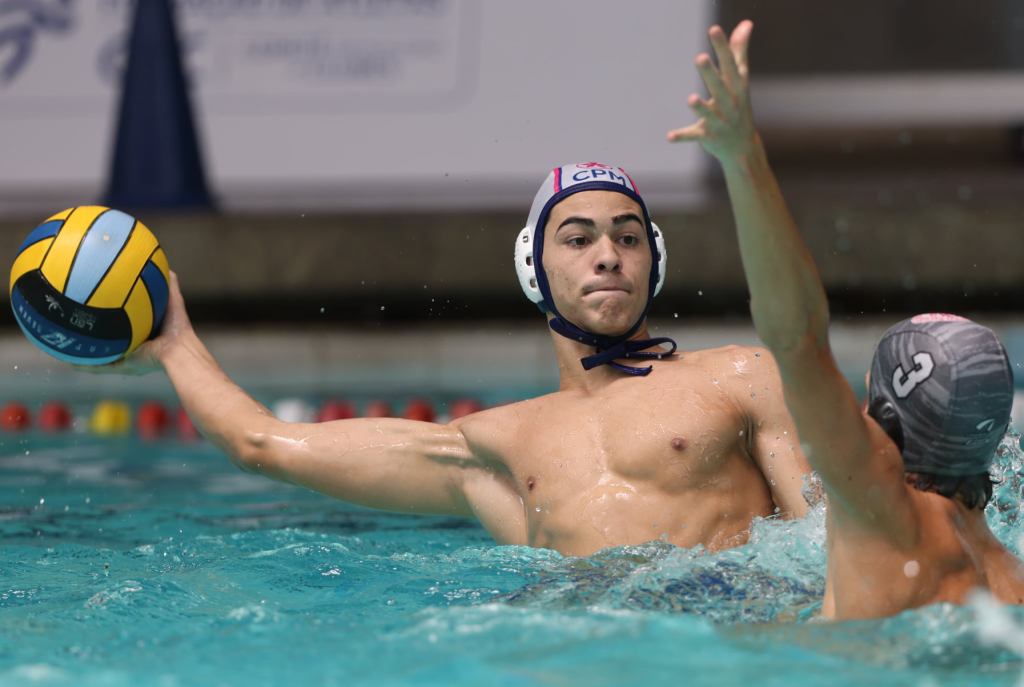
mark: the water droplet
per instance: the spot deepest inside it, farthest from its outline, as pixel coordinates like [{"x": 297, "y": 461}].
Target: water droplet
[{"x": 912, "y": 569}]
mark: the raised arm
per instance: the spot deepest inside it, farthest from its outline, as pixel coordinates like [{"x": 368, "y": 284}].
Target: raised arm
[
  {"x": 859, "y": 467},
  {"x": 392, "y": 464}
]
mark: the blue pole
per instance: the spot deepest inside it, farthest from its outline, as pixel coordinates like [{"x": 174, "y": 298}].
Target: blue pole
[{"x": 157, "y": 161}]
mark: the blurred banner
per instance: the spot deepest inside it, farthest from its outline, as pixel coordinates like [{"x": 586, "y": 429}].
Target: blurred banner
[{"x": 341, "y": 104}]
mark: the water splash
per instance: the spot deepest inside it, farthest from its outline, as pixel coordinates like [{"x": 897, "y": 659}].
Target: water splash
[{"x": 1005, "y": 513}]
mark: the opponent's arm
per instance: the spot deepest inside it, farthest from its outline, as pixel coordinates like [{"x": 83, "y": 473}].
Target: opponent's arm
[
  {"x": 774, "y": 445},
  {"x": 858, "y": 468},
  {"x": 383, "y": 463}
]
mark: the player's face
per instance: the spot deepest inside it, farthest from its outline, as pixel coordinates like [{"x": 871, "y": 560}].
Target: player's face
[{"x": 598, "y": 260}]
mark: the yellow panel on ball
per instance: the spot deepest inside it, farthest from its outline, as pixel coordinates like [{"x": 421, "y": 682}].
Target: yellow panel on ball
[
  {"x": 58, "y": 262},
  {"x": 140, "y": 313},
  {"x": 29, "y": 259}
]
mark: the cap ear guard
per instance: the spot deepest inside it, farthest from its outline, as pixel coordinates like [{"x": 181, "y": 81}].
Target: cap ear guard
[
  {"x": 882, "y": 411},
  {"x": 662, "y": 257},
  {"x": 525, "y": 269}
]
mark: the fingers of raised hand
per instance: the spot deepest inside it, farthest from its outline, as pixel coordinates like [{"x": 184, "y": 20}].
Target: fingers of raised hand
[
  {"x": 702, "y": 108},
  {"x": 693, "y": 132},
  {"x": 730, "y": 74},
  {"x": 712, "y": 79},
  {"x": 739, "y": 43}
]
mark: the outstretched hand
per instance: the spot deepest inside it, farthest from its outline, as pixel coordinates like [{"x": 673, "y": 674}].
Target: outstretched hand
[
  {"x": 147, "y": 357},
  {"x": 726, "y": 121}
]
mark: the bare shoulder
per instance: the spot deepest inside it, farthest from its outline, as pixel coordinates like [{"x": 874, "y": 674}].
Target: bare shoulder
[
  {"x": 495, "y": 432},
  {"x": 731, "y": 355},
  {"x": 736, "y": 366}
]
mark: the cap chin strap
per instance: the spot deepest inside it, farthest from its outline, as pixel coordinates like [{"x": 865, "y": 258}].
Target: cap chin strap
[{"x": 613, "y": 348}]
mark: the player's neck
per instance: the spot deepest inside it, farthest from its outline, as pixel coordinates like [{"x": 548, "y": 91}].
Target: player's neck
[{"x": 572, "y": 376}]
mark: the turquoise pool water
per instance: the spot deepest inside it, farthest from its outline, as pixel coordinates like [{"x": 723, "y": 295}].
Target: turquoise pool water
[{"x": 126, "y": 563}]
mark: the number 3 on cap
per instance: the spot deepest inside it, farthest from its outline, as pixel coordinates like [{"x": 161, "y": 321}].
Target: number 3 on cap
[{"x": 905, "y": 382}]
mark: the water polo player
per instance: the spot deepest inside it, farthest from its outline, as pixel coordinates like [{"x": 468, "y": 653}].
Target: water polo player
[
  {"x": 639, "y": 443},
  {"x": 906, "y": 477}
]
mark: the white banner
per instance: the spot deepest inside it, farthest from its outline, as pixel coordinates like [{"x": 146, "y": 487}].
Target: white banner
[{"x": 364, "y": 103}]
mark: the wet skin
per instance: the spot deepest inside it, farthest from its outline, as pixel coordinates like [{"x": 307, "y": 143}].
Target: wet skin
[
  {"x": 890, "y": 546},
  {"x": 935, "y": 550},
  {"x": 667, "y": 457},
  {"x": 689, "y": 454}
]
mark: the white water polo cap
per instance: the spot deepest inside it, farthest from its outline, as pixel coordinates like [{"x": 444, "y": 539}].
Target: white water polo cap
[{"x": 561, "y": 183}]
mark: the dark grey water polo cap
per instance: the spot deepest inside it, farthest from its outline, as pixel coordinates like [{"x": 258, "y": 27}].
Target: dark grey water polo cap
[{"x": 948, "y": 382}]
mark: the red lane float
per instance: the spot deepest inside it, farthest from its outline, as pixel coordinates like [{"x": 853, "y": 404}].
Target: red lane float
[
  {"x": 54, "y": 416},
  {"x": 378, "y": 409},
  {"x": 464, "y": 406},
  {"x": 14, "y": 417},
  {"x": 419, "y": 409},
  {"x": 152, "y": 420},
  {"x": 186, "y": 430},
  {"x": 335, "y": 410}
]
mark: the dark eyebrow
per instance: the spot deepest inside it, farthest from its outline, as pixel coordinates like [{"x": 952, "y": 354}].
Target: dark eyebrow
[
  {"x": 587, "y": 222},
  {"x": 576, "y": 220},
  {"x": 628, "y": 217}
]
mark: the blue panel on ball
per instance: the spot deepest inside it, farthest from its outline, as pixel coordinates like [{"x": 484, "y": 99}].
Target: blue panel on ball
[
  {"x": 99, "y": 249},
  {"x": 43, "y": 231},
  {"x": 62, "y": 343},
  {"x": 155, "y": 283}
]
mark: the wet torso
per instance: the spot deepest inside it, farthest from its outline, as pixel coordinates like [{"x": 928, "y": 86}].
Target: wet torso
[{"x": 666, "y": 456}]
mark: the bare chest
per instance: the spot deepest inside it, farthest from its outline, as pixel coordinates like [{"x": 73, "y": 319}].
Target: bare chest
[{"x": 672, "y": 441}]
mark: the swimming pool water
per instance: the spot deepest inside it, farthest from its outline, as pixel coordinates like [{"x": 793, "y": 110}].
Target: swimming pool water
[{"x": 128, "y": 563}]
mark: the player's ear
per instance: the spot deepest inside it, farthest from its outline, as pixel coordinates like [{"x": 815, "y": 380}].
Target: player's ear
[{"x": 882, "y": 411}]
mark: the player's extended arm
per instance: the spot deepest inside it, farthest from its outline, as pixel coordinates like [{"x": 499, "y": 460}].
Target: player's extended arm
[
  {"x": 385, "y": 463},
  {"x": 859, "y": 469}
]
